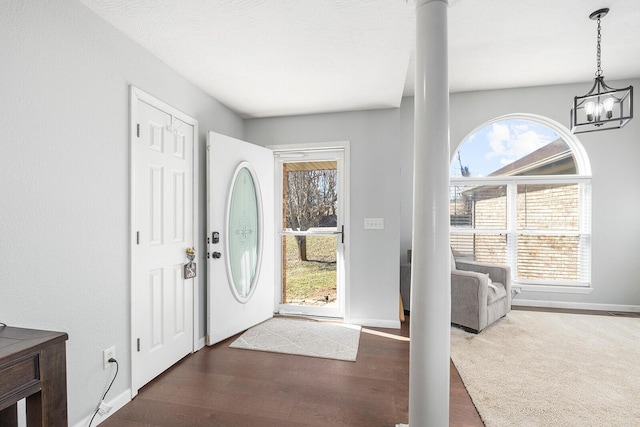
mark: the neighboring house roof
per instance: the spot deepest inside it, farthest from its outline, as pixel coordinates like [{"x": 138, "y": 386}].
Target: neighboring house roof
[{"x": 555, "y": 158}]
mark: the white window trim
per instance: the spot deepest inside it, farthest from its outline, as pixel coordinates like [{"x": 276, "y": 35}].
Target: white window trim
[{"x": 583, "y": 176}]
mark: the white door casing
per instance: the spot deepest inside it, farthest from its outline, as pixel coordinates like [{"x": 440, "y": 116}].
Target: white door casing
[
  {"x": 227, "y": 313},
  {"x": 163, "y": 227}
]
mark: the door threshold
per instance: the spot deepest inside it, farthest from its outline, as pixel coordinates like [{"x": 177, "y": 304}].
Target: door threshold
[{"x": 301, "y": 315}]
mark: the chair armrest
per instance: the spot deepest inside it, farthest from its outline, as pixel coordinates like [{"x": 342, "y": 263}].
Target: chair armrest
[
  {"x": 476, "y": 282},
  {"x": 469, "y": 286},
  {"x": 469, "y": 291},
  {"x": 497, "y": 273}
]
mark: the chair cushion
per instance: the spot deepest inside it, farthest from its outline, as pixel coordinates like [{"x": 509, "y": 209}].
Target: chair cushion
[{"x": 495, "y": 292}]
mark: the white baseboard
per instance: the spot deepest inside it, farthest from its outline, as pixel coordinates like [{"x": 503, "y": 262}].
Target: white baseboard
[
  {"x": 115, "y": 403},
  {"x": 576, "y": 305},
  {"x": 376, "y": 323}
]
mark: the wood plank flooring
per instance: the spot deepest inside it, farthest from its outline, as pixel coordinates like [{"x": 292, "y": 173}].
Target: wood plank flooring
[{"x": 222, "y": 386}]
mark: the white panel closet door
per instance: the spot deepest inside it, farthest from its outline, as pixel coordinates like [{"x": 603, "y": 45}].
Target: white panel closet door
[{"x": 164, "y": 222}]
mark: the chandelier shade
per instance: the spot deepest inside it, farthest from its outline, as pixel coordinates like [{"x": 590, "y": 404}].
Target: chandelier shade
[{"x": 603, "y": 107}]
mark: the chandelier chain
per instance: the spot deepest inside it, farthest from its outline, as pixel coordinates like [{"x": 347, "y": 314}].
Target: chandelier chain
[{"x": 599, "y": 70}]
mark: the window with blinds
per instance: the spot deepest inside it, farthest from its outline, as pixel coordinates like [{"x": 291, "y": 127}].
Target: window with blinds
[
  {"x": 540, "y": 229},
  {"x": 531, "y": 212}
]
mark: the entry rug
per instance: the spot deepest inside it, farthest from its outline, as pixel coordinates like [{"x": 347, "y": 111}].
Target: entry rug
[{"x": 303, "y": 337}]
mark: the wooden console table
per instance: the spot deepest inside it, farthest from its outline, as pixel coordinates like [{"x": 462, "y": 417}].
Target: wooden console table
[{"x": 33, "y": 366}]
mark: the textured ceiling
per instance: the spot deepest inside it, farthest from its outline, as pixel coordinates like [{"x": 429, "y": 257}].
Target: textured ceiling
[{"x": 266, "y": 58}]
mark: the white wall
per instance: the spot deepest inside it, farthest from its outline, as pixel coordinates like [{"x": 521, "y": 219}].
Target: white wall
[
  {"x": 374, "y": 177},
  {"x": 615, "y": 165},
  {"x": 64, "y": 180}
]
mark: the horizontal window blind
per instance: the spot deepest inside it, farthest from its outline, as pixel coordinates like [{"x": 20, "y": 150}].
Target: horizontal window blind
[
  {"x": 548, "y": 207},
  {"x": 481, "y": 247},
  {"x": 541, "y": 229}
]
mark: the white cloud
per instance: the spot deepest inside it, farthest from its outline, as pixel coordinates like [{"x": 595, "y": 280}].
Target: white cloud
[
  {"x": 498, "y": 138},
  {"x": 509, "y": 142},
  {"x": 521, "y": 127}
]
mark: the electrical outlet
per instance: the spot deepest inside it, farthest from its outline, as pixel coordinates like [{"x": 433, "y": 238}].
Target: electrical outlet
[{"x": 108, "y": 354}]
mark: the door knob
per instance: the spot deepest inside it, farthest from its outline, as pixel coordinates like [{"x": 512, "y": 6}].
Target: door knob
[{"x": 216, "y": 255}]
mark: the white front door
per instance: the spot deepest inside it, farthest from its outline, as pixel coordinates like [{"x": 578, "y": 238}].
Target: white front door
[
  {"x": 240, "y": 236},
  {"x": 163, "y": 228}
]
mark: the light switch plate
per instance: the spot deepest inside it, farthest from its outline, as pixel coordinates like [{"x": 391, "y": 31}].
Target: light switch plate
[{"x": 374, "y": 223}]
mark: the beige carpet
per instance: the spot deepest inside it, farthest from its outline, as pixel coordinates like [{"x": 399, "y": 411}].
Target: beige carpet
[
  {"x": 303, "y": 337},
  {"x": 553, "y": 369}
]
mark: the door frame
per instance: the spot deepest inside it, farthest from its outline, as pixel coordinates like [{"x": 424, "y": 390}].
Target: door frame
[
  {"x": 137, "y": 95},
  {"x": 345, "y": 147}
]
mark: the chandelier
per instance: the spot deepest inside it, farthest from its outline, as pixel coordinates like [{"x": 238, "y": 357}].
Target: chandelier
[{"x": 603, "y": 107}]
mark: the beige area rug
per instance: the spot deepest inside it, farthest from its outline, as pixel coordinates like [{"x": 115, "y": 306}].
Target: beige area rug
[
  {"x": 303, "y": 337},
  {"x": 553, "y": 369}
]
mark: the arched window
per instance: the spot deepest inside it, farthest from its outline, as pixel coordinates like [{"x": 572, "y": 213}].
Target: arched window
[{"x": 521, "y": 195}]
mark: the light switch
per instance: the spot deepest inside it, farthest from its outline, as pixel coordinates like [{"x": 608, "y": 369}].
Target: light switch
[{"x": 374, "y": 223}]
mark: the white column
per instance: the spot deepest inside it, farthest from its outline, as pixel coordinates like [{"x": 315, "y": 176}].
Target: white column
[{"x": 431, "y": 268}]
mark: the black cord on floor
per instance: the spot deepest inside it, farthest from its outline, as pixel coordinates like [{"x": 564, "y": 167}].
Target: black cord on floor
[{"x": 112, "y": 360}]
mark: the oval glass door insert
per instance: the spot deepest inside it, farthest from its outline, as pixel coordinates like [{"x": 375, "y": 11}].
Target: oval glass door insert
[{"x": 243, "y": 231}]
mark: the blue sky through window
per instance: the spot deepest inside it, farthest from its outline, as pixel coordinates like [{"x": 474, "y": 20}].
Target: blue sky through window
[{"x": 499, "y": 144}]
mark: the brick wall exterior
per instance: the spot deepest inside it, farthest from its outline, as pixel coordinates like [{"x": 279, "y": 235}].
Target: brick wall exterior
[{"x": 539, "y": 207}]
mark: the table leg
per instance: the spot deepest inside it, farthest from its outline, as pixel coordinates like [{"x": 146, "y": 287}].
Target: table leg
[
  {"x": 9, "y": 416},
  {"x": 48, "y": 408}
]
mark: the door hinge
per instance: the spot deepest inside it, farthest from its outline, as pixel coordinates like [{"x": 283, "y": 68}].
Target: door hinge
[
  {"x": 138, "y": 130},
  {"x": 137, "y": 237},
  {"x": 342, "y": 235},
  {"x": 138, "y": 344}
]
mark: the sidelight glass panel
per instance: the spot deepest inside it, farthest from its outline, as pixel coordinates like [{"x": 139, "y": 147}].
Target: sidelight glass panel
[{"x": 243, "y": 232}]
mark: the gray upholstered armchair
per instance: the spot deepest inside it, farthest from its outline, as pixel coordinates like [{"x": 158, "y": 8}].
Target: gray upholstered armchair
[{"x": 480, "y": 293}]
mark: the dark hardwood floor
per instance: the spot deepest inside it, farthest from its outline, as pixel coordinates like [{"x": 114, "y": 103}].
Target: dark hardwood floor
[{"x": 222, "y": 386}]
